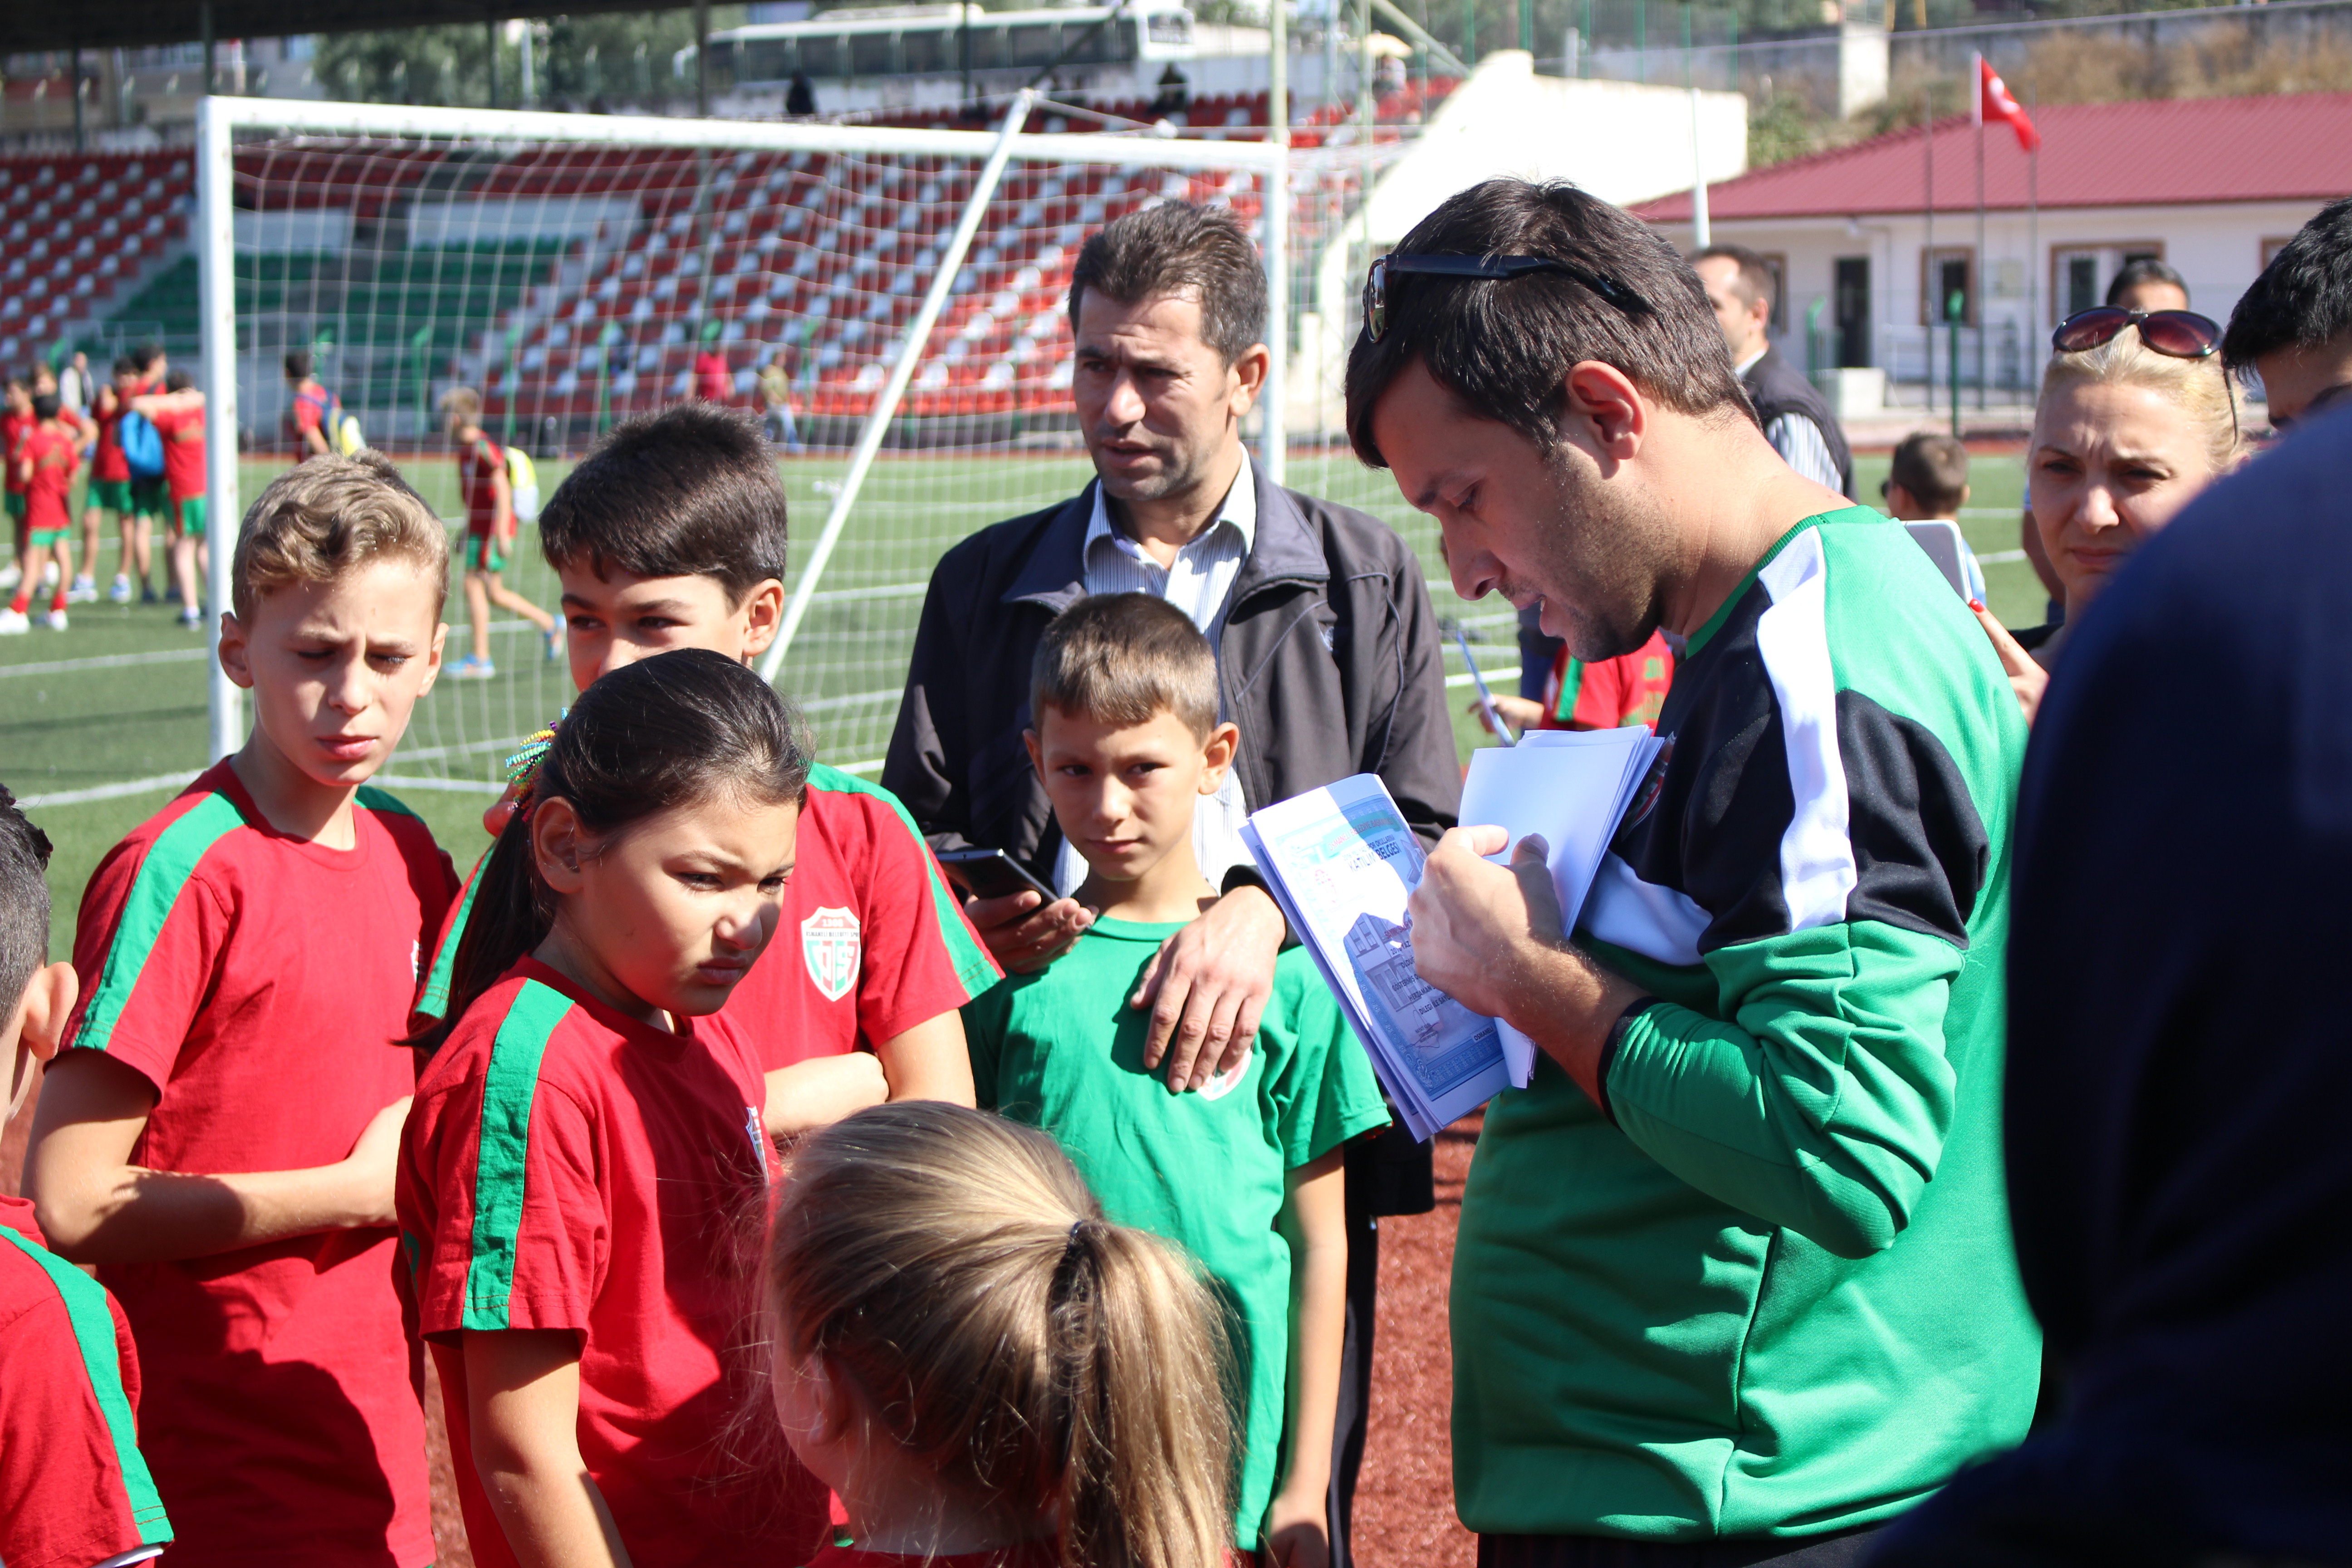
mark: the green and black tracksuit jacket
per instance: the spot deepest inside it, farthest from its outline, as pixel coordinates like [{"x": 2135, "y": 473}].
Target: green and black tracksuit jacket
[{"x": 1768, "y": 1287}]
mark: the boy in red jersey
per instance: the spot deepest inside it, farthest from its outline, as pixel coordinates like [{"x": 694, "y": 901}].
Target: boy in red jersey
[
  {"x": 178, "y": 414},
  {"x": 669, "y": 535},
  {"x": 73, "y": 1489},
  {"x": 220, "y": 1135},
  {"x": 16, "y": 422},
  {"x": 46, "y": 460},
  {"x": 489, "y": 534},
  {"x": 310, "y": 408},
  {"x": 109, "y": 487}
]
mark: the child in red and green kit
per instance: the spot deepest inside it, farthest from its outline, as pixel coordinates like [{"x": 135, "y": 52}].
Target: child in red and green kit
[
  {"x": 583, "y": 1180},
  {"x": 220, "y": 1135},
  {"x": 489, "y": 534},
  {"x": 47, "y": 459},
  {"x": 16, "y": 422},
  {"x": 74, "y": 1491},
  {"x": 178, "y": 415},
  {"x": 671, "y": 534}
]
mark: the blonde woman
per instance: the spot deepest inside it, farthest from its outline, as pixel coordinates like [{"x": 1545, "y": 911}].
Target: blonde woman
[
  {"x": 985, "y": 1370},
  {"x": 2135, "y": 418}
]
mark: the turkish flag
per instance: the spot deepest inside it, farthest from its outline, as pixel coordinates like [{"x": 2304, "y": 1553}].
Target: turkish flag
[{"x": 1994, "y": 102}]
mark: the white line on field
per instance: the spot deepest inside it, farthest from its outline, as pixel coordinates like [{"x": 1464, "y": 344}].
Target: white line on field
[
  {"x": 1999, "y": 557},
  {"x": 115, "y": 791},
  {"x": 106, "y": 661},
  {"x": 1494, "y": 678},
  {"x": 457, "y": 786}
]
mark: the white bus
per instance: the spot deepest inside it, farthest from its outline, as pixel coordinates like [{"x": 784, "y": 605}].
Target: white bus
[{"x": 871, "y": 44}]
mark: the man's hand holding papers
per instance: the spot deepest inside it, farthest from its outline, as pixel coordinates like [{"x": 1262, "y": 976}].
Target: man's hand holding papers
[{"x": 1490, "y": 937}]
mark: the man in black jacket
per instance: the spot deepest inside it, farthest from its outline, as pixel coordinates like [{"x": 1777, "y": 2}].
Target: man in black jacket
[
  {"x": 1328, "y": 660},
  {"x": 1796, "y": 417}
]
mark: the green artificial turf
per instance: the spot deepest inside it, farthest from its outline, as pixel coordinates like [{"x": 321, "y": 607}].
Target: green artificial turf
[{"x": 140, "y": 711}]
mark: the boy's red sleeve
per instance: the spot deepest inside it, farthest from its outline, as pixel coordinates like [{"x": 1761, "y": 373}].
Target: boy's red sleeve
[
  {"x": 922, "y": 957},
  {"x": 147, "y": 948},
  {"x": 519, "y": 1236},
  {"x": 73, "y": 1487}
]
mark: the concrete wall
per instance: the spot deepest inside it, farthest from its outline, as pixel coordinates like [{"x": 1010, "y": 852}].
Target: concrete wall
[{"x": 2218, "y": 249}]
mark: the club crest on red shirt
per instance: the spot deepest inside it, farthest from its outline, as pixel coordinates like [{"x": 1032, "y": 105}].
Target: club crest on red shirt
[{"x": 831, "y": 945}]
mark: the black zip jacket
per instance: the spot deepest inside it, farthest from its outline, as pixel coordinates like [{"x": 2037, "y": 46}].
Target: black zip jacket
[{"x": 1327, "y": 662}]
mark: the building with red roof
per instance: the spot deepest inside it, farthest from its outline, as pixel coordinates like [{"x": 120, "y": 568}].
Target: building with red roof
[{"x": 2212, "y": 186}]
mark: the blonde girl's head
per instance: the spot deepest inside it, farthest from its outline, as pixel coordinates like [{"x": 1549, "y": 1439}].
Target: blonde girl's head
[{"x": 947, "y": 1275}]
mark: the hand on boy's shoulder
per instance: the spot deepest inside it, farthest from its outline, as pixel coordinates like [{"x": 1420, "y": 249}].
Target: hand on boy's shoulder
[{"x": 1207, "y": 987}]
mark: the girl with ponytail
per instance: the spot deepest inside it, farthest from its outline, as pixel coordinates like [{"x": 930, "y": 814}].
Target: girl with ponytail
[
  {"x": 585, "y": 1171},
  {"x": 988, "y": 1373}
]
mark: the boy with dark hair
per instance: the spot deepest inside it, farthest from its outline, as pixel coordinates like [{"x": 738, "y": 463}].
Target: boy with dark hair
[
  {"x": 47, "y": 459},
  {"x": 1929, "y": 478},
  {"x": 74, "y": 1492},
  {"x": 489, "y": 534},
  {"x": 178, "y": 415},
  {"x": 2292, "y": 328},
  {"x": 220, "y": 1134},
  {"x": 1127, "y": 741},
  {"x": 671, "y": 534}
]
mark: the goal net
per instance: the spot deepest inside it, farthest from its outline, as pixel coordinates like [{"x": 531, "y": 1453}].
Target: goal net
[{"x": 890, "y": 301}]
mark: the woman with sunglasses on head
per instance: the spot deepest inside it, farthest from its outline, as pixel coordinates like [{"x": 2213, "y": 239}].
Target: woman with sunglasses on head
[{"x": 2135, "y": 417}]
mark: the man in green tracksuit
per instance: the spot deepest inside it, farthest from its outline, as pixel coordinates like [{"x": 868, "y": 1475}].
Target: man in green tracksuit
[{"x": 1735, "y": 1282}]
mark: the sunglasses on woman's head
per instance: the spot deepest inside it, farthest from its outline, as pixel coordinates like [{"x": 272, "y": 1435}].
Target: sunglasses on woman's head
[
  {"x": 1492, "y": 270},
  {"x": 2183, "y": 335}
]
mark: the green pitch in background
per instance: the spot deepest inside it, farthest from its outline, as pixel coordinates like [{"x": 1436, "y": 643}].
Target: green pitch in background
[{"x": 120, "y": 697}]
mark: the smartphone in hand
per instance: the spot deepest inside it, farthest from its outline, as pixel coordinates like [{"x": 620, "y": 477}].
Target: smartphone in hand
[{"x": 990, "y": 874}]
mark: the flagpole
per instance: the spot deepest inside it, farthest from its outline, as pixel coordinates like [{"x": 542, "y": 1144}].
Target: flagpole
[
  {"x": 1931, "y": 310},
  {"x": 1980, "y": 271},
  {"x": 2033, "y": 260}
]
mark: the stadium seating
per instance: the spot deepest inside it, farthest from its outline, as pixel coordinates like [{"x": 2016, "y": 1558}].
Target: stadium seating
[
  {"x": 824, "y": 256},
  {"x": 75, "y": 230}
]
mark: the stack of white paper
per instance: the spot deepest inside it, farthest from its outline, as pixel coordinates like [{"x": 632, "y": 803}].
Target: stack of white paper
[
  {"x": 1570, "y": 786},
  {"x": 1341, "y": 862}
]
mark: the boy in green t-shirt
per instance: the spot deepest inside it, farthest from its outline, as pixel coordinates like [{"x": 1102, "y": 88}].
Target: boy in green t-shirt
[{"x": 1244, "y": 1173}]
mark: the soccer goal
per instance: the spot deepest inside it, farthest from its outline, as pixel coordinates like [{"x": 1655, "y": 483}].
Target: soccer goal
[{"x": 891, "y": 300}]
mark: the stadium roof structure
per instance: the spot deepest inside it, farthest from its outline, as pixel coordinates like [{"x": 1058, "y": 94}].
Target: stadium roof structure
[
  {"x": 132, "y": 24},
  {"x": 2161, "y": 152}
]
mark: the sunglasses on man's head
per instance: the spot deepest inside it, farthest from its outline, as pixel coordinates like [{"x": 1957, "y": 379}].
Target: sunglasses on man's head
[
  {"x": 2183, "y": 334},
  {"x": 1491, "y": 269}
]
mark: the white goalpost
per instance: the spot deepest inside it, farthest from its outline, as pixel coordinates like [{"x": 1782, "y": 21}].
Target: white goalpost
[{"x": 900, "y": 286}]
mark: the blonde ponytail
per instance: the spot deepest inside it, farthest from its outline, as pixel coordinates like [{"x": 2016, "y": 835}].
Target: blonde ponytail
[{"x": 1043, "y": 1363}]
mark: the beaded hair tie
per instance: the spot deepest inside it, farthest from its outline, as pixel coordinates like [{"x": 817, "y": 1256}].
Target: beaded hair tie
[{"x": 522, "y": 768}]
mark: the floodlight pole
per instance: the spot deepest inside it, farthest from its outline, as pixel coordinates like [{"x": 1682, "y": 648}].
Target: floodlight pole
[
  {"x": 217, "y": 296},
  {"x": 885, "y": 404}
]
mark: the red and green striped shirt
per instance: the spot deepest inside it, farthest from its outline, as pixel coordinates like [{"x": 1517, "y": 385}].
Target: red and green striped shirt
[
  {"x": 870, "y": 941},
  {"x": 567, "y": 1167},
  {"x": 73, "y": 1487},
  {"x": 260, "y": 984}
]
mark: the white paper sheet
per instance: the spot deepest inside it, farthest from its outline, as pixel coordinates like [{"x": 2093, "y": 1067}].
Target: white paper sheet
[{"x": 1570, "y": 786}]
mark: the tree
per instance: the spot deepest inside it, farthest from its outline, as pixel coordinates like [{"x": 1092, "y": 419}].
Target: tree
[{"x": 622, "y": 61}]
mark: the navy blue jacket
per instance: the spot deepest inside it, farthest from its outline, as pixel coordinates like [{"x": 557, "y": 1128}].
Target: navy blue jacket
[{"x": 2180, "y": 1094}]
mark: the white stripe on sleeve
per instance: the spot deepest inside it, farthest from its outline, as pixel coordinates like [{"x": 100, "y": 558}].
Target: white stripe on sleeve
[{"x": 1817, "y": 864}]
